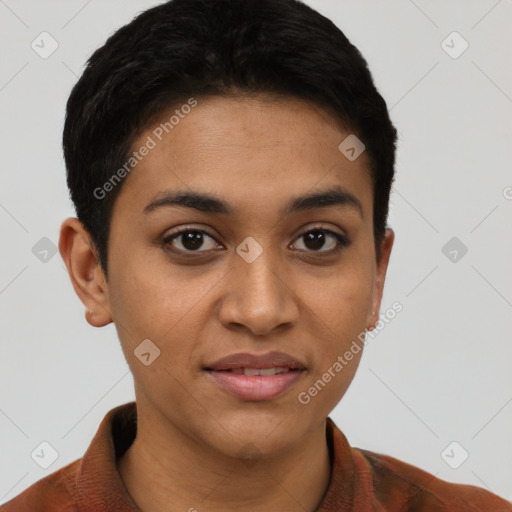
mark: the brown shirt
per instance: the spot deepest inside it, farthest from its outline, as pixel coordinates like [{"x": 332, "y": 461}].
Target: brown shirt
[{"x": 361, "y": 481}]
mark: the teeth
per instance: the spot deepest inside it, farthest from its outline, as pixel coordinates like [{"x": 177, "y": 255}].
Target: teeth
[
  {"x": 268, "y": 371},
  {"x": 259, "y": 371},
  {"x": 264, "y": 371}
]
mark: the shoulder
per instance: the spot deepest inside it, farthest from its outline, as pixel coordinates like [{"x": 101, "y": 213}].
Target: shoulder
[
  {"x": 54, "y": 492},
  {"x": 395, "y": 481}
]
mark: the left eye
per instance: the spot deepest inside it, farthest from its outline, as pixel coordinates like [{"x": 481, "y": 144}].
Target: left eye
[{"x": 315, "y": 239}]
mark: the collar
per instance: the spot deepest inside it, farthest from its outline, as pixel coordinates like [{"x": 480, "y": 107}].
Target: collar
[{"x": 98, "y": 484}]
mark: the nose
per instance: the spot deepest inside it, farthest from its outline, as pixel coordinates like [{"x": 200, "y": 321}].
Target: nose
[{"x": 260, "y": 296}]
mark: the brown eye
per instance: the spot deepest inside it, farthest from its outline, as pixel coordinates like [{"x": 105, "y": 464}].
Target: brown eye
[
  {"x": 189, "y": 240},
  {"x": 316, "y": 240}
]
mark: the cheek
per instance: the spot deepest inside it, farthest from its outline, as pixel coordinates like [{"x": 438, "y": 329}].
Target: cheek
[
  {"x": 329, "y": 381},
  {"x": 343, "y": 301},
  {"x": 148, "y": 307},
  {"x": 148, "y": 300},
  {"x": 168, "y": 307},
  {"x": 341, "y": 306}
]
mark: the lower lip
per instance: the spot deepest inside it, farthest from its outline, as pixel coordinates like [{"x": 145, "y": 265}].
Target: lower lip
[{"x": 256, "y": 387}]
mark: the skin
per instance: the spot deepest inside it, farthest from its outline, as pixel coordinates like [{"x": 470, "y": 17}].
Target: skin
[{"x": 305, "y": 300}]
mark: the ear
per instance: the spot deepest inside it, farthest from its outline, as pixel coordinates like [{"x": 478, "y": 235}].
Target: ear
[
  {"x": 81, "y": 258},
  {"x": 382, "y": 266}
]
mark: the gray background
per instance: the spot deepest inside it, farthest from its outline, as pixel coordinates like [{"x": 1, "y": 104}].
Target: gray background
[{"x": 438, "y": 373}]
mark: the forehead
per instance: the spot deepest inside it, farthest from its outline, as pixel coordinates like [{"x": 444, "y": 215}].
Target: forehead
[{"x": 249, "y": 150}]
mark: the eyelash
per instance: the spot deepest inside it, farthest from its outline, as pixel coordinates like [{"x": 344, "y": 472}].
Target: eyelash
[{"x": 342, "y": 240}]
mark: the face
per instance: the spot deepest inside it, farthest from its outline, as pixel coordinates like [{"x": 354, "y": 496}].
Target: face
[{"x": 257, "y": 267}]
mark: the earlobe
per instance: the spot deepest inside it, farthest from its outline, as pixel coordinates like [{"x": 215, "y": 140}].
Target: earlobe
[
  {"x": 382, "y": 266},
  {"x": 80, "y": 256}
]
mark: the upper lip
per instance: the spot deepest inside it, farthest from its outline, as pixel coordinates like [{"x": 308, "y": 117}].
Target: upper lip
[{"x": 247, "y": 360}]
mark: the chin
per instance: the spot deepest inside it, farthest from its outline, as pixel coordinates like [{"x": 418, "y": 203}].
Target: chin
[{"x": 265, "y": 434}]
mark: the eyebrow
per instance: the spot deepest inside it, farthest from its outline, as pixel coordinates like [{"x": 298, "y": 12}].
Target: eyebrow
[{"x": 332, "y": 197}]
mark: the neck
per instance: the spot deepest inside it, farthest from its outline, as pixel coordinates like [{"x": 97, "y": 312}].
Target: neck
[{"x": 167, "y": 471}]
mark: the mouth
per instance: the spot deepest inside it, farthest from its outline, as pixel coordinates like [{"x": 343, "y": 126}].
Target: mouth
[
  {"x": 251, "y": 372},
  {"x": 256, "y": 377},
  {"x": 256, "y": 384}
]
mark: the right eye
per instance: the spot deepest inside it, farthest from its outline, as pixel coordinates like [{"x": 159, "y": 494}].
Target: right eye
[{"x": 190, "y": 240}]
